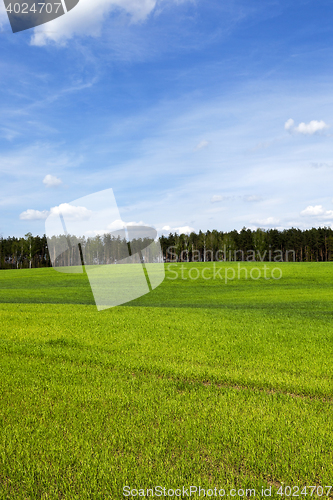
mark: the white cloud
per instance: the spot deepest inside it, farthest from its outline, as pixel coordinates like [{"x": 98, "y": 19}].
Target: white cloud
[
  {"x": 179, "y": 230},
  {"x": 216, "y": 198},
  {"x": 87, "y": 19},
  {"x": 119, "y": 224},
  {"x": 184, "y": 229},
  {"x": 115, "y": 226},
  {"x": 317, "y": 211},
  {"x": 51, "y": 181},
  {"x": 118, "y": 227},
  {"x": 34, "y": 215},
  {"x": 312, "y": 127},
  {"x": 310, "y": 210},
  {"x": 201, "y": 145},
  {"x": 71, "y": 212},
  {"x": 289, "y": 124},
  {"x": 306, "y": 128},
  {"x": 134, "y": 224}
]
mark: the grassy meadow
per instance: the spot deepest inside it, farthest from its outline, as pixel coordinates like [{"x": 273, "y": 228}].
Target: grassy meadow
[{"x": 201, "y": 382}]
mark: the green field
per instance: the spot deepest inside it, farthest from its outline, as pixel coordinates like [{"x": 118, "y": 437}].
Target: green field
[{"x": 200, "y": 382}]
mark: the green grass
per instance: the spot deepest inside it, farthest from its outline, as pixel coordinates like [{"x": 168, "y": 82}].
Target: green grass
[{"x": 200, "y": 382}]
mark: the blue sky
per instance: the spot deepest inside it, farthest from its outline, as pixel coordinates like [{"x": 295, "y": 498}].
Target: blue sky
[{"x": 199, "y": 114}]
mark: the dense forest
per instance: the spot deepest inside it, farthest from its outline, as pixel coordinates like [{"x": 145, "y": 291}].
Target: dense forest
[{"x": 310, "y": 245}]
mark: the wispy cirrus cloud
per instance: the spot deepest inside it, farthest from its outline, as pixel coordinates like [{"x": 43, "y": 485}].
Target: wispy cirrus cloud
[
  {"x": 247, "y": 198},
  {"x": 201, "y": 145},
  {"x": 321, "y": 164},
  {"x": 88, "y": 17}
]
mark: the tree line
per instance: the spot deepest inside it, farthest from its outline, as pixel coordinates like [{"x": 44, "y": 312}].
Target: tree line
[
  {"x": 310, "y": 245},
  {"x": 67, "y": 250}
]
